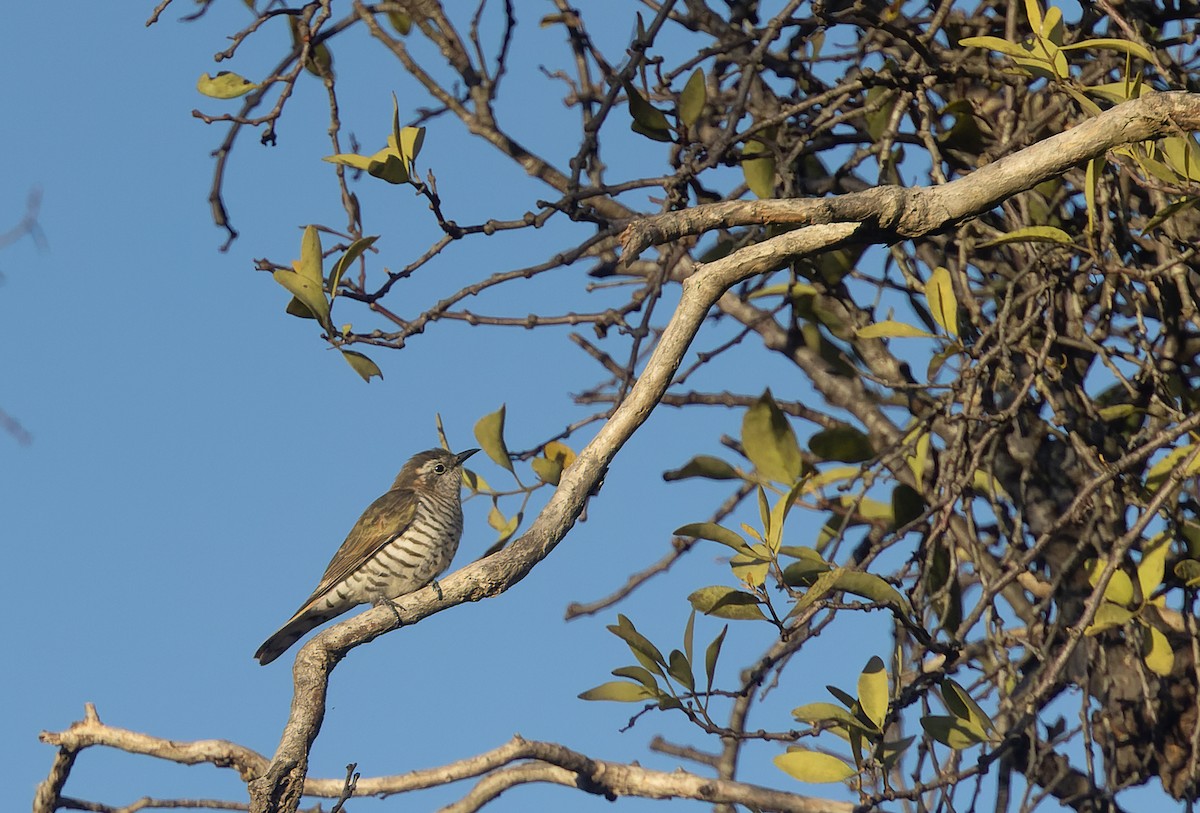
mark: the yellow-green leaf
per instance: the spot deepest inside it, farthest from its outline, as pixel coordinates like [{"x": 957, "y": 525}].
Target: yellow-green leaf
[
  {"x": 1188, "y": 572},
  {"x": 960, "y": 703},
  {"x": 891, "y": 329},
  {"x": 620, "y": 691},
  {"x": 714, "y": 533},
  {"x": 770, "y": 442},
  {"x": 827, "y": 713},
  {"x": 873, "y": 691},
  {"x": 939, "y": 293},
  {"x": 1120, "y": 586},
  {"x": 691, "y": 101},
  {"x": 1156, "y": 652},
  {"x": 813, "y": 766},
  {"x": 1109, "y": 616},
  {"x": 353, "y": 252},
  {"x": 1031, "y": 234},
  {"x": 1124, "y": 46},
  {"x": 648, "y": 120},
  {"x": 758, "y": 167},
  {"x": 711, "y": 653},
  {"x": 1150, "y": 569},
  {"x": 726, "y": 602},
  {"x": 711, "y": 468},
  {"x": 400, "y": 21},
  {"x": 951, "y": 731},
  {"x": 309, "y": 292},
  {"x": 362, "y": 365},
  {"x": 225, "y": 85},
  {"x": 489, "y": 432}
]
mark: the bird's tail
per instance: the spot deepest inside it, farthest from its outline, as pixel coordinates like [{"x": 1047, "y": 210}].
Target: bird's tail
[{"x": 290, "y": 633}]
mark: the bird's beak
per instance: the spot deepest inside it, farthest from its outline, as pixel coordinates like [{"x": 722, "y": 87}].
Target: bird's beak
[{"x": 461, "y": 457}]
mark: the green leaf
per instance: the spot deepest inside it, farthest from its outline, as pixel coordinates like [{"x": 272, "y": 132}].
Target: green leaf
[
  {"x": 726, "y": 602},
  {"x": 711, "y": 654},
  {"x": 758, "y": 167},
  {"x": 646, "y": 652},
  {"x": 411, "y": 141},
  {"x": 1188, "y": 572},
  {"x": 688, "y": 635},
  {"x": 827, "y": 713},
  {"x": 310, "y": 265},
  {"x": 1120, "y": 586},
  {"x": 843, "y": 696},
  {"x": 225, "y": 85},
  {"x": 867, "y": 585},
  {"x": 813, "y": 766},
  {"x": 310, "y": 294},
  {"x": 362, "y": 365},
  {"x": 1124, "y": 46},
  {"x": 711, "y": 468},
  {"x": 873, "y": 691},
  {"x": 752, "y": 567},
  {"x": 353, "y": 252},
  {"x": 939, "y": 293},
  {"x": 960, "y": 703},
  {"x": 770, "y": 442},
  {"x": 1109, "y": 616},
  {"x": 1031, "y": 234},
  {"x": 648, "y": 120},
  {"x": 680, "y": 668},
  {"x": 907, "y": 505},
  {"x": 642, "y": 676},
  {"x": 691, "y": 101},
  {"x": 489, "y": 433},
  {"x": 1161, "y": 471},
  {"x": 400, "y": 21},
  {"x": 890, "y": 329},
  {"x": 297, "y": 308},
  {"x": 619, "y": 691},
  {"x": 951, "y": 731},
  {"x": 1156, "y": 652},
  {"x": 714, "y": 533},
  {"x": 1150, "y": 569},
  {"x": 842, "y": 443}
]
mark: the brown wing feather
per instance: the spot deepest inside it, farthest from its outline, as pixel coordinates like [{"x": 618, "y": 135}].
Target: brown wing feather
[{"x": 384, "y": 520}]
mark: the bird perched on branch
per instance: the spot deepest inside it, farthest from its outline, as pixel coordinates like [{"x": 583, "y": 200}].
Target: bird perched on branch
[{"x": 401, "y": 543}]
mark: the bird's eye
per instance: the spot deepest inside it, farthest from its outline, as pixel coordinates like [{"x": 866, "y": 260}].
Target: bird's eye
[{"x": 440, "y": 468}]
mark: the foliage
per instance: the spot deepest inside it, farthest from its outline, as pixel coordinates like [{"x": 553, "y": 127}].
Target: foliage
[{"x": 992, "y": 415}]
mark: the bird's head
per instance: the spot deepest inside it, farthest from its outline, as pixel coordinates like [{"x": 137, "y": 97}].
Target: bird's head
[{"x": 434, "y": 469}]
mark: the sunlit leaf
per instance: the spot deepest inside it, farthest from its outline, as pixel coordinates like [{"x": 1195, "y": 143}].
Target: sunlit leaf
[
  {"x": 1109, "y": 616},
  {"x": 873, "y": 691},
  {"x": 1150, "y": 569},
  {"x": 1124, "y": 46},
  {"x": 770, "y": 441},
  {"x": 1188, "y": 572},
  {"x": 1031, "y": 234},
  {"x": 642, "y": 676},
  {"x": 714, "y": 533},
  {"x": 362, "y": 365},
  {"x": 890, "y": 329},
  {"x": 951, "y": 731},
  {"x": 758, "y": 167},
  {"x": 489, "y": 432},
  {"x": 960, "y": 703},
  {"x": 619, "y": 690},
  {"x": 826, "y": 714},
  {"x": 1120, "y": 586},
  {"x": 641, "y": 647},
  {"x": 726, "y": 602},
  {"x": 939, "y": 293},
  {"x": 225, "y": 85},
  {"x": 813, "y": 767},
  {"x": 692, "y": 99},
  {"x": 1156, "y": 652},
  {"x": 309, "y": 292},
  {"x": 353, "y": 252}
]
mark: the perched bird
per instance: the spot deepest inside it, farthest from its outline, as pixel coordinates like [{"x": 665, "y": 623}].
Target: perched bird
[{"x": 401, "y": 543}]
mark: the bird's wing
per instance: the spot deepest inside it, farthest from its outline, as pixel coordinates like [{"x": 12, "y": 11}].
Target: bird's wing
[{"x": 384, "y": 520}]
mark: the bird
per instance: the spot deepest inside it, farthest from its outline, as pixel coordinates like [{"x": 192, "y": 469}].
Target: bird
[{"x": 402, "y": 542}]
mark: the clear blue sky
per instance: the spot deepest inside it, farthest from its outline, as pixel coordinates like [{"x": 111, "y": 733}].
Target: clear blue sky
[{"x": 198, "y": 455}]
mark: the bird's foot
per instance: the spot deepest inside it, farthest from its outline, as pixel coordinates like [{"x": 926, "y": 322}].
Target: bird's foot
[
  {"x": 391, "y": 605},
  {"x": 437, "y": 588}
]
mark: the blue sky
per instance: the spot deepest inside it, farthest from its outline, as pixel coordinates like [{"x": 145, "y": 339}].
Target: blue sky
[{"x": 198, "y": 455}]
